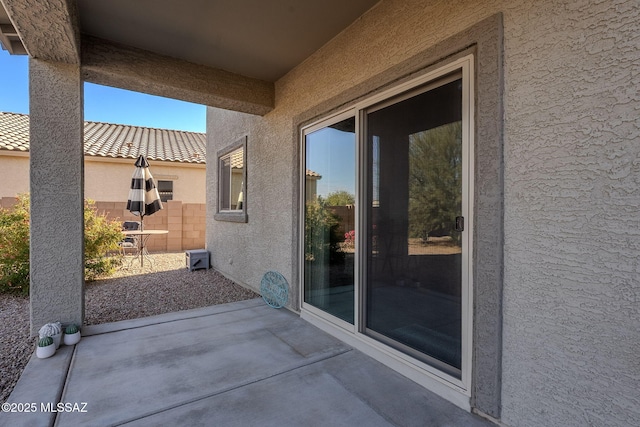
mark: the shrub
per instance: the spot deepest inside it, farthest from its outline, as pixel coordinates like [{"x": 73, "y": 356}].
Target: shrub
[
  {"x": 101, "y": 236},
  {"x": 14, "y": 247}
]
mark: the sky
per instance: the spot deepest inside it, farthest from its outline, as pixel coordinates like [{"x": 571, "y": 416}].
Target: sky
[
  {"x": 332, "y": 154},
  {"x": 103, "y": 103}
]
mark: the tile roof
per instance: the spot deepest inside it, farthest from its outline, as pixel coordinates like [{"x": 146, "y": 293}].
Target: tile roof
[
  {"x": 115, "y": 141},
  {"x": 237, "y": 159},
  {"x": 14, "y": 132}
]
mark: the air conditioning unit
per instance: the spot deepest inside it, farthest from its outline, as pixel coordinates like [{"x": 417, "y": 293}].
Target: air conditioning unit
[{"x": 198, "y": 258}]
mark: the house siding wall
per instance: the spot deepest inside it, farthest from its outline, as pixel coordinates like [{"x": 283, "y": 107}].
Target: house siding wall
[
  {"x": 107, "y": 183},
  {"x": 15, "y": 175},
  {"x": 110, "y": 181},
  {"x": 570, "y": 312}
]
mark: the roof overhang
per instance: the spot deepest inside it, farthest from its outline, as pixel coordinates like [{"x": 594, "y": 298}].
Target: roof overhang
[
  {"x": 222, "y": 53},
  {"x": 9, "y": 38}
]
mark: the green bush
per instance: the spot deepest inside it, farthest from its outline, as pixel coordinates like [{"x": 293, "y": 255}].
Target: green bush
[
  {"x": 101, "y": 237},
  {"x": 14, "y": 247}
]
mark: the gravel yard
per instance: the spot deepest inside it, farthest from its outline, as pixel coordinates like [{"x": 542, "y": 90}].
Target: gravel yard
[{"x": 164, "y": 287}]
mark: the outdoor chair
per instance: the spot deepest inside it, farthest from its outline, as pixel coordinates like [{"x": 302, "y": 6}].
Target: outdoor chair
[{"x": 129, "y": 243}]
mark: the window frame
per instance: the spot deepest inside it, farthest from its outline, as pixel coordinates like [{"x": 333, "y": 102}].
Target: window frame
[
  {"x": 167, "y": 193},
  {"x": 235, "y": 215},
  {"x": 428, "y": 374}
]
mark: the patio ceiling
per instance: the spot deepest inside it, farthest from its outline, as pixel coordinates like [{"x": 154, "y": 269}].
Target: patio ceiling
[{"x": 241, "y": 45}]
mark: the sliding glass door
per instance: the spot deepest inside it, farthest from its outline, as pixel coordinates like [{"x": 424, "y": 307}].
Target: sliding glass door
[
  {"x": 414, "y": 224},
  {"x": 395, "y": 272}
]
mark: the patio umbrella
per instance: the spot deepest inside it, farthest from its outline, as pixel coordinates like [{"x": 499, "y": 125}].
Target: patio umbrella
[{"x": 143, "y": 195}]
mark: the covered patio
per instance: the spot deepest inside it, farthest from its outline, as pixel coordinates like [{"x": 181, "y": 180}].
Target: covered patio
[
  {"x": 238, "y": 364},
  {"x": 545, "y": 94}
]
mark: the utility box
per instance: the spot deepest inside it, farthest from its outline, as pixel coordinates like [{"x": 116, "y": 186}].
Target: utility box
[{"x": 196, "y": 259}]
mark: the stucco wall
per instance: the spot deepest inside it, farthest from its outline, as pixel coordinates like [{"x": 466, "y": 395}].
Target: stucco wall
[
  {"x": 56, "y": 175},
  {"x": 110, "y": 181},
  {"x": 245, "y": 251},
  {"x": 571, "y": 241},
  {"x": 15, "y": 175}
]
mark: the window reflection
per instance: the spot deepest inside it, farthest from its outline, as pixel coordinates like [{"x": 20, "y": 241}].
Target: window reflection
[
  {"x": 329, "y": 243},
  {"x": 231, "y": 169}
]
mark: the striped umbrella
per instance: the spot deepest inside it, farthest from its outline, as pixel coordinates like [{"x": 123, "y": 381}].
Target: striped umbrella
[{"x": 143, "y": 196}]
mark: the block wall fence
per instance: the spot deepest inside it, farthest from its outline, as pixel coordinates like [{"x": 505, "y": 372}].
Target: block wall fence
[{"x": 186, "y": 223}]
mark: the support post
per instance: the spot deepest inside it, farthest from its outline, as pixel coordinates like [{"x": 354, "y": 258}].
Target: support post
[{"x": 57, "y": 193}]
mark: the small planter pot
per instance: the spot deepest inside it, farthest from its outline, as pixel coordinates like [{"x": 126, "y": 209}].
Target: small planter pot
[
  {"x": 71, "y": 335},
  {"x": 46, "y": 348},
  {"x": 57, "y": 339},
  {"x": 53, "y": 330},
  {"x": 71, "y": 339},
  {"x": 44, "y": 352}
]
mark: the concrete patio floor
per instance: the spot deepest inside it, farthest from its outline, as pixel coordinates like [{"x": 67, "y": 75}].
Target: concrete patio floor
[{"x": 239, "y": 364}]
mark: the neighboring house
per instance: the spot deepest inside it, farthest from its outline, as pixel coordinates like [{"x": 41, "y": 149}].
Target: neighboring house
[
  {"x": 177, "y": 161},
  {"x": 517, "y": 300}
]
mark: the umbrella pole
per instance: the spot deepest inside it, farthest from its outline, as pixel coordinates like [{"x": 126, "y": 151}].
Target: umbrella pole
[{"x": 141, "y": 241}]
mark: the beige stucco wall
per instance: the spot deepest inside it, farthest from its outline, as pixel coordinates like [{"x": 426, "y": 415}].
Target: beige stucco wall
[
  {"x": 571, "y": 189},
  {"x": 109, "y": 180},
  {"x": 14, "y": 173}
]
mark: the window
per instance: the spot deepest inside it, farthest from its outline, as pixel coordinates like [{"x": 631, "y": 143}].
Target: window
[
  {"x": 232, "y": 177},
  {"x": 165, "y": 189}
]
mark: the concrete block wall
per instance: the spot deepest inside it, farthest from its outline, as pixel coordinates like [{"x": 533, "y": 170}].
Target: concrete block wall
[
  {"x": 186, "y": 223},
  {"x": 194, "y": 225}
]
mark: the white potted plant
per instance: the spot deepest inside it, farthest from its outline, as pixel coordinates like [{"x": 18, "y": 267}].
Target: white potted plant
[
  {"x": 71, "y": 335},
  {"x": 53, "y": 330},
  {"x": 46, "y": 348}
]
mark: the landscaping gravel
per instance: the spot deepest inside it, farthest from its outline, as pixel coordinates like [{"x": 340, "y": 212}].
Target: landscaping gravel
[{"x": 163, "y": 286}]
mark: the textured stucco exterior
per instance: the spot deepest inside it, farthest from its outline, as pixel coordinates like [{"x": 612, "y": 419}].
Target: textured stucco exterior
[
  {"x": 568, "y": 300},
  {"x": 572, "y": 237},
  {"x": 57, "y": 42},
  {"x": 56, "y": 182},
  {"x": 111, "y": 64},
  {"x": 109, "y": 181},
  {"x": 15, "y": 174}
]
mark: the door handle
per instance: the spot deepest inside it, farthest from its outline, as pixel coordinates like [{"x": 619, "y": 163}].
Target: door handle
[{"x": 459, "y": 223}]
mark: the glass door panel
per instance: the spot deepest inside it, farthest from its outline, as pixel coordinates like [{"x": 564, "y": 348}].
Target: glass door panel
[
  {"x": 329, "y": 219},
  {"x": 413, "y": 222}
]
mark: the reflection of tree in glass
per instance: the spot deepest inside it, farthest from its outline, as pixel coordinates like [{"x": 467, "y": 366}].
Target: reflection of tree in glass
[
  {"x": 435, "y": 181},
  {"x": 322, "y": 240},
  {"x": 340, "y": 198}
]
